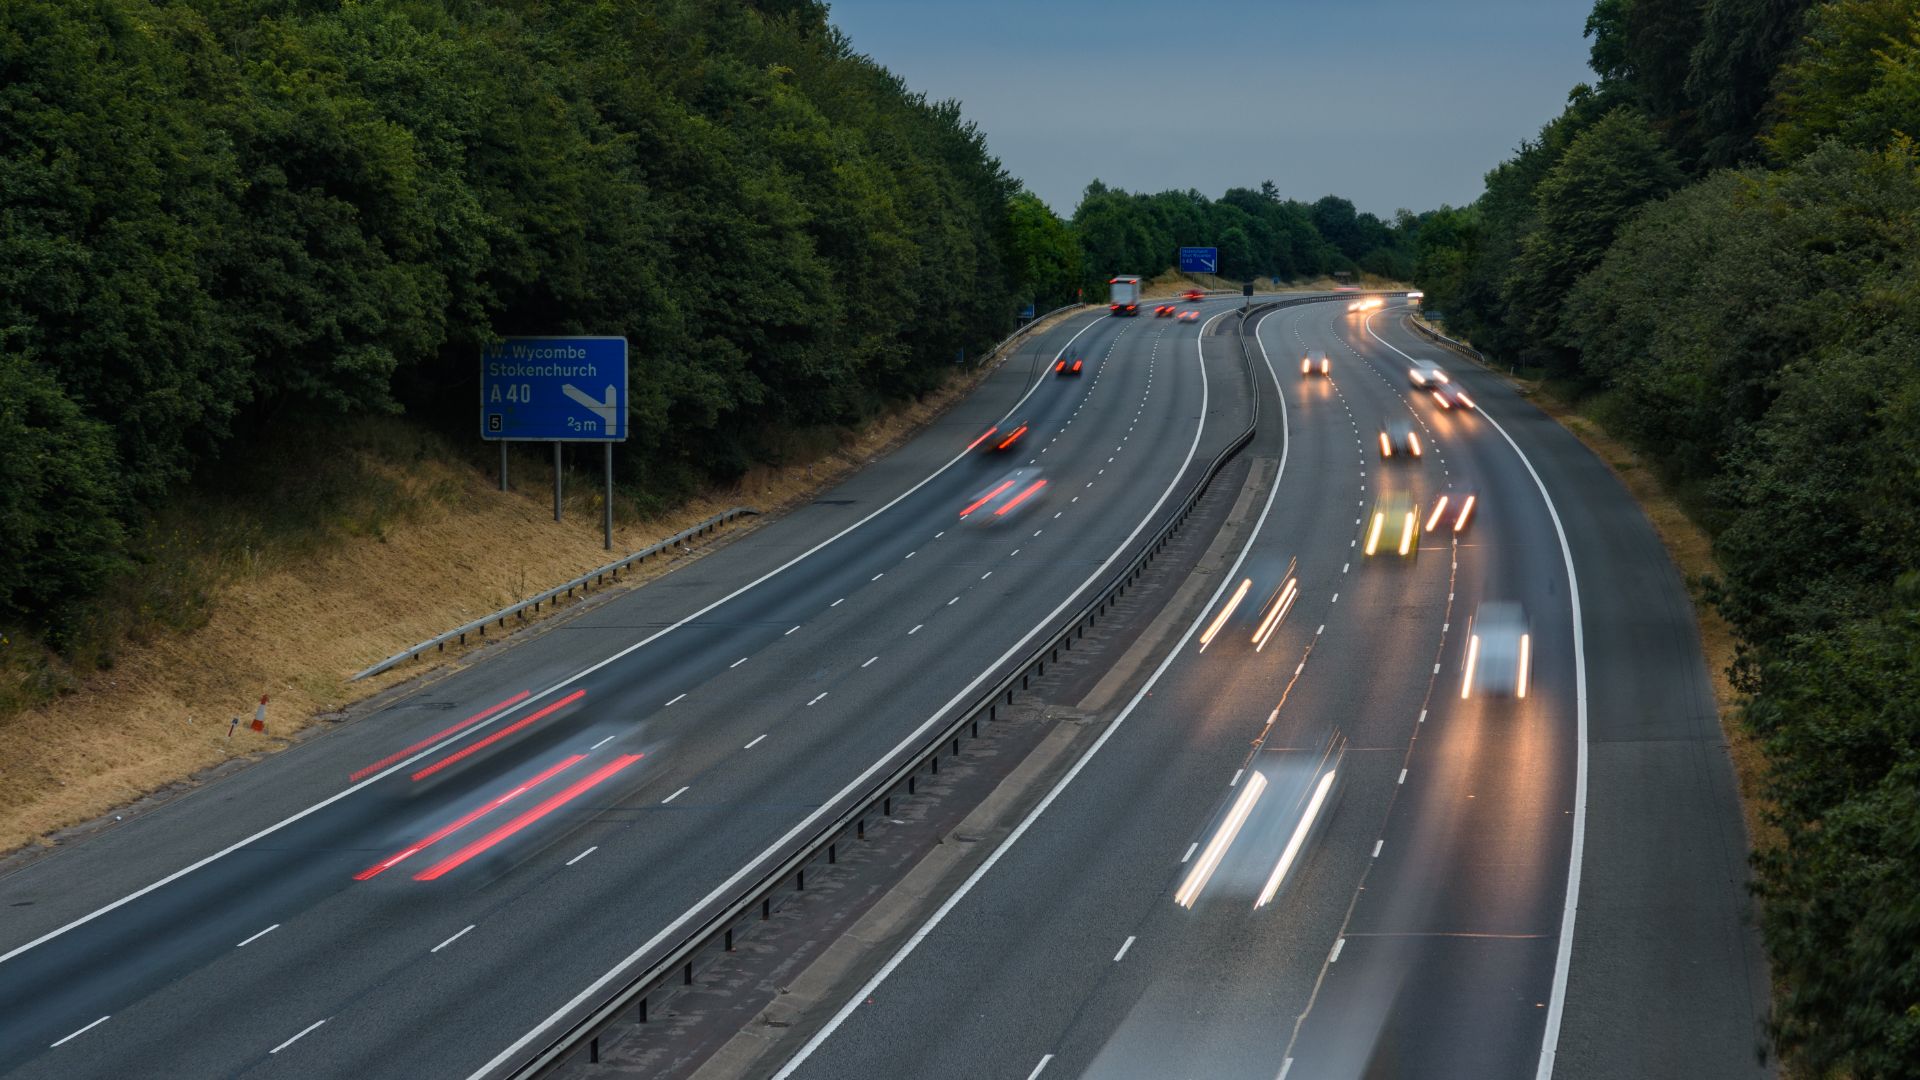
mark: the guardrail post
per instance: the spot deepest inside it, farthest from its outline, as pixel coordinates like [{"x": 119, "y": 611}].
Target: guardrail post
[
  {"x": 832, "y": 854},
  {"x": 643, "y": 1008},
  {"x": 729, "y": 939},
  {"x": 593, "y": 1050},
  {"x": 688, "y": 977}
]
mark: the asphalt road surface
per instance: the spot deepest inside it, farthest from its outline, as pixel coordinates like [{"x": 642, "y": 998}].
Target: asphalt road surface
[
  {"x": 1302, "y": 852},
  {"x": 419, "y": 892}
]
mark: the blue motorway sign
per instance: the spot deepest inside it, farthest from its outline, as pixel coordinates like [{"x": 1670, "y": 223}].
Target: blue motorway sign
[
  {"x": 1199, "y": 260},
  {"x": 554, "y": 389}
]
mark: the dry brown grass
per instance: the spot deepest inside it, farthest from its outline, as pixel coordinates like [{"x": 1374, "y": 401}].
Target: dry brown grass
[
  {"x": 293, "y": 624},
  {"x": 1691, "y": 549},
  {"x": 1173, "y": 283}
]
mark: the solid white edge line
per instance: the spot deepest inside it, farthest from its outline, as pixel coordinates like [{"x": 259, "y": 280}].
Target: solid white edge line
[
  {"x": 444, "y": 944},
  {"x": 1563, "y": 958},
  {"x": 562, "y": 684},
  {"x": 1059, "y": 786},
  {"x": 69, "y": 1038},
  {"x": 258, "y": 936},
  {"x": 303, "y": 1034}
]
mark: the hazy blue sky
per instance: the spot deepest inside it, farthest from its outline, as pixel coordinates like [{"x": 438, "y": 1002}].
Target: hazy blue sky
[{"x": 1391, "y": 103}]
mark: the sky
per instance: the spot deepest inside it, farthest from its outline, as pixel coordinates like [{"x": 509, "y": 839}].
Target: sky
[{"x": 1390, "y": 103}]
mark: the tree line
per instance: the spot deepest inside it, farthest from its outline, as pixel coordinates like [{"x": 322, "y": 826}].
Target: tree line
[
  {"x": 223, "y": 218},
  {"x": 1714, "y": 247}
]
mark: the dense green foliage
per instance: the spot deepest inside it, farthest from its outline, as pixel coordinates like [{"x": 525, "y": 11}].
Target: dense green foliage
[
  {"x": 1258, "y": 234},
  {"x": 1755, "y": 329},
  {"x": 225, "y": 217}
]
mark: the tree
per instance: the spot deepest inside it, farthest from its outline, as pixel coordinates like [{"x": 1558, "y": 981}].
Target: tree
[{"x": 1857, "y": 79}]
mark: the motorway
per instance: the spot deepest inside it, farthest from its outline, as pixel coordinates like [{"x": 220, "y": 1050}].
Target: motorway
[
  {"x": 1313, "y": 857},
  {"x": 423, "y": 892}
]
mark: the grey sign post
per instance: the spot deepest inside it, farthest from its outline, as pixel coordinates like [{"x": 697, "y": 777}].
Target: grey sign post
[{"x": 556, "y": 389}]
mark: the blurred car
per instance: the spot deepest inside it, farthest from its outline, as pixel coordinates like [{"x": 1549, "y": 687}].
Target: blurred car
[
  {"x": 999, "y": 438},
  {"x": 1499, "y": 651},
  {"x": 1427, "y": 373},
  {"x": 1415, "y": 296},
  {"x": 1193, "y": 296},
  {"x": 1011, "y": 492},
  {"x": 1394, "y": 526},
  {"x": 1451, "y": 511},
  {"x": 1450, "y": 396},
  {"x": 1309, "y": 367},
  {"x": 1064, "y": 366},
  {"x": 1164, "y": 311},
  {"x": 1189, "y": 316},
  {"x": 1398, "y": 437}
]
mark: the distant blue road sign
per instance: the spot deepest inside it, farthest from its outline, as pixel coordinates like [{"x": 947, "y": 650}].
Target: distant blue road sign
[
  {"x": 1027, "y": 312},
  {"x": 1199, "y": 260},
  {"x": 554, "y": 389}
]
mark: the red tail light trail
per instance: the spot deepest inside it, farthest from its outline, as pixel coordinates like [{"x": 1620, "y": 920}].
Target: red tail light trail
[
  {"x": 475, "y": 747},
  {"x": 554, "y": 802},
  {"x": 401, "y": 755}
]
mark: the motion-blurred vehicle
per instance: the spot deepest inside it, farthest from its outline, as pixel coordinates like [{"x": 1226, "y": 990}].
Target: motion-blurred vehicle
[
  {"x": 1452, "y": 511},
  {"x": 1398, "y": 437},
  {"x": 1005, "y": 496},
  {"x": 1449, "y": 396},
  {"x": 1365, "y": 303},
  {"x": 1394, "y": 526},
  {"x": 1189, "y": 316},
  {"x": 1426, "y": 373},
  {"x": 1124, "y": 295},
  {"x": 1415, "y": 296},
  {"x": 999, "y": 438},
  {"x": 1193, "y": 296},
  {"x": 1499, "y": 651},
  {"x": 1309, "y": 367},
  {"x": 1165, "y": 311},
  {"x": 1064, "y": 366}
]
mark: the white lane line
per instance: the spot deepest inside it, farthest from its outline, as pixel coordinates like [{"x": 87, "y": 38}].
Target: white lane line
[
  {"x": 917, "y": 626},
  {"x": 790, "y": 631},
  {"x": 870, "y": 661},
  {"x": 1335, "y": 600},
  {"x": 1124, "y": 946},
  {"x": 1334, "y": 956},
  {"x": 676, "y": 697},
  {"x": 953, "y": 601},
  {"x": 1423, "y": 716},
  {"x": 1036, "y": 532},
  {"x": 603, "y": 742},
  {"x": 534, "y": 699},
  {"x": 583, "y": 854},
  {"x": 1436, "y": 669},
  {"x": 754, "y": 743},
  {"x": 1012, "y": 553},
  {"x": 1036, "y": 1069},
  {"x": 736, "y": 663},
  {"x": 1403, "y": 777},
  {"x": 940, "y": 534},
  {"x": 1322, "y": 630},
  {"x": 303, "y": 1034},
  {"x": 817, "y": 698},
  {"x": 927, "y": 928},
  {"x": 838, "y": 602},
  {"x": 878, "y": 576},
  {"x": 986, "y": 575},
  {"x": 1191, "y": 848},
  {"x": 910, "y": 555},
  {"x": 1235, "y": 782},
  {"x": 673, "y": 796},
  {"x": 436, "y": 948},
  {"x": 83, "y": 1030},
  {"x": 1376, "y": 847},
  {"x": 911, "y": 738},
  {"x": 258, "y": 936},
  {"x": 1344, "y": 567}
]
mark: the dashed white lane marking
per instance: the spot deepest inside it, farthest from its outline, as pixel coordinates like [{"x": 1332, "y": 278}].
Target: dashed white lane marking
[
  {"x": 754, "y": 743},
  {"x": 1043, "y": 1064},
  {"x": 1236, "y": 778},
  {"x": 917, "y": 626},
  {"x": 258, "y": 936},
  {"x": 673, "y": 796},
  {"x": 1036, "y": 532},
  {"x": 603, "y": 742},
  {"x": 878, "y": 576},
  {"x": 790, "y": 630},
  {"x": 436, "y": 948},
  {"x": 1423, "y": 717},
  {"x": 816, "y": 699},
  {"x": 1191, "y": 848},
  {"x": 303, "y": 1034},
  {"x": 1124, "y": 946},
  {"x": 1403, "y": 777},
  {"x": 736, "y": 663},
  {"x": 986, "y": 575},
  {"x": 1335, "y": 600},
  {"x": 953, "y": 601},
  {"x": 583, "y": 854},
  {"x": 88, "y": 1028},
  {"x": 676, "y": 697},
  {"x": 1436, "y": 669},
  {"x": 1376, "y": 847},
  {"x": 870, "y": 661},
  {"x": 1334, "y": 956},
  {"x": 940, "y": 534},
  {"x": 911, "y": 554},
  {"x": 1012, "y": 553},
  {"x": 838, "y": 602}
]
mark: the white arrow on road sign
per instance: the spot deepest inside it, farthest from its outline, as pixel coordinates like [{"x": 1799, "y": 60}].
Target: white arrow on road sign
[{"x": 608, "y": 411}]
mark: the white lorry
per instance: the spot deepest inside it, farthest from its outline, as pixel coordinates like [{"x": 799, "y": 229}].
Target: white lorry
[{"x": 1124, "y": 298}]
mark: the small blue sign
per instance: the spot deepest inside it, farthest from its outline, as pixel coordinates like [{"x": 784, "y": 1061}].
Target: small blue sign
[
  {"x": 1199, "y": 260},
  {"x": 1027, "y": 312},
  {"x": 554, "y": 389}
]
